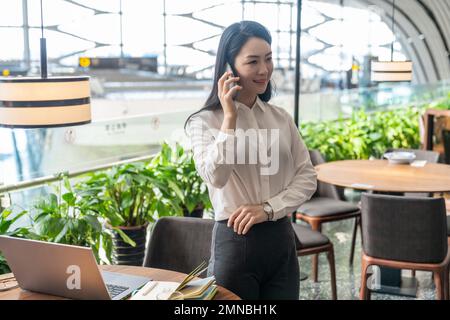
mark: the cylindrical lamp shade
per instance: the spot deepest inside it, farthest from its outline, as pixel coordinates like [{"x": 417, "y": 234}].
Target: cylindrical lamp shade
[
  {"x": 391, "y": 71},
  {"x": 44, "y": 102}
]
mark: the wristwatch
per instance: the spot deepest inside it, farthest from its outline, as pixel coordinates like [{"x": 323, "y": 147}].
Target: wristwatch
[{"x": 268, "y": 210}]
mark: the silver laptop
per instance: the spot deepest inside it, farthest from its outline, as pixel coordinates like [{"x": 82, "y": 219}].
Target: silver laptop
[{"x": 64, "y": 270}]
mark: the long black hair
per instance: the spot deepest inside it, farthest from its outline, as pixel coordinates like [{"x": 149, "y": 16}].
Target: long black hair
[{"x": 231, "y": 42}]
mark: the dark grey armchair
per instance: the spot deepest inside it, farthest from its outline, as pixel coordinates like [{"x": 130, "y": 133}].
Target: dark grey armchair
[
  {"x": 405, "y": 233},
  {"x": 427, "y": 155},
  {"x": 179, "y": 243},
  {"x": 327, "y": 205},
  {"x": 310, "y": 242}
]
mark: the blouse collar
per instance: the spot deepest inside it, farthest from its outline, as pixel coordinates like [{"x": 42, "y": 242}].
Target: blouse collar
[{"x": 258, "y": 104}]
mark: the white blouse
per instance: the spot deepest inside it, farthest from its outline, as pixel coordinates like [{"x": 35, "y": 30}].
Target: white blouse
[{"x": 278, "y": 172}]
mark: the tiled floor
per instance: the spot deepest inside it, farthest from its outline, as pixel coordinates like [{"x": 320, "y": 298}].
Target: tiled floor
[{"x": 348, "y": 278}]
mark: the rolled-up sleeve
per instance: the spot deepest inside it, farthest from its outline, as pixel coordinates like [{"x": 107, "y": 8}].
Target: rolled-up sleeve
[
  {"x": 304, "y": 181},
  {"x": 210, "y": 148}
]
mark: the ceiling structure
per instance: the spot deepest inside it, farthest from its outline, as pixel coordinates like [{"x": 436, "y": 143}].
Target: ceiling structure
[{"x": 423, "y": 29}]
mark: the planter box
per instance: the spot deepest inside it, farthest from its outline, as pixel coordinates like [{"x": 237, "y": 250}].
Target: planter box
[{"x": 125, "y": 254}]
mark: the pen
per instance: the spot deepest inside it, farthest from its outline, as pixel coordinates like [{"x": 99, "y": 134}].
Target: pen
[{"x": 150, "y": 288}]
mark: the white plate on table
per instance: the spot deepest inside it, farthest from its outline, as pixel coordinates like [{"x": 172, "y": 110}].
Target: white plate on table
[{"x": 400, "y": 157}]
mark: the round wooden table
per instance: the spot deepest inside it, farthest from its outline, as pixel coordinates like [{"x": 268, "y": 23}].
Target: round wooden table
[
  {"x": 379, "y": 175},
  {"x": 155, "y": 274}
]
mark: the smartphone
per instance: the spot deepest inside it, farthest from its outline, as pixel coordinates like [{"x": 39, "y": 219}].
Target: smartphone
[{"x": 228, "y": 69}]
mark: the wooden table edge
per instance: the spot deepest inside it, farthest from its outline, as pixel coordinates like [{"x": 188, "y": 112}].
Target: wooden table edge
[{"x": 154, "y": 273}]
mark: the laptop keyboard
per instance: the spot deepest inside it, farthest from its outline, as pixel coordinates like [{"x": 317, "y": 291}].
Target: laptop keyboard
[{"x": 115, "y": 290}]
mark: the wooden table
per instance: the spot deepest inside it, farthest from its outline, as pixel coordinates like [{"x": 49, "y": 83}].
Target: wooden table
[
  {"x": 155, "y": 274},
  {"x": 379, "y": 175},
  {"x": 382, "y": 177}
]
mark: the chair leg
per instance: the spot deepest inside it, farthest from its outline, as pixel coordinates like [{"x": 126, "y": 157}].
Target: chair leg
[
  {"x": 439, "y": 281},
  {"x": 446, "y": 285},
  {"x": 364, "y": 293},
  {"x": 331, "y": 262},
  {"x": 352, "y": 250},
  {"x": 316, "y": 226}
]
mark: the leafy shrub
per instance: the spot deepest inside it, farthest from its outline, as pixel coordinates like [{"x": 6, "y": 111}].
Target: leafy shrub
[{"x": 364, "y": 134}]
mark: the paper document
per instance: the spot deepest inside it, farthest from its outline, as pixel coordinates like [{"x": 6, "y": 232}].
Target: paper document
[
  {"x": 153, "y": 288},
  {"x": 419, "y": 163}
]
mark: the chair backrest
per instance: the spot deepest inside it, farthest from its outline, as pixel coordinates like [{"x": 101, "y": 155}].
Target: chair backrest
[
  {"x": 179, "y": 243},
  {"x": 446, "y": 139},
  {"x": 404, "y": 228},
  {"x": 325, "y": 189},
  {"x": 429, "y": 156}
]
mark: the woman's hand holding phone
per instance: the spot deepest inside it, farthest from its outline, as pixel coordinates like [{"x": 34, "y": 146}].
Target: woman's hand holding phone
[{"x": 227, "y": 90}]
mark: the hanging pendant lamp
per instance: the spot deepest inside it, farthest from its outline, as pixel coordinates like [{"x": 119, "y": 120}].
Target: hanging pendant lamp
[
  {"x": 391, "y": 71},
  {"x": 33, "y": 102}
]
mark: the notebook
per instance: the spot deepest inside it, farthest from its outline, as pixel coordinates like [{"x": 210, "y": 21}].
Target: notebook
[
  {"x": 199, "y": 289},
  {"x": 196, "y": 288}
]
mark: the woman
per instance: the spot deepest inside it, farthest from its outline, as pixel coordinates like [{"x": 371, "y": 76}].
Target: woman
[{"x": 253, "y": 247}]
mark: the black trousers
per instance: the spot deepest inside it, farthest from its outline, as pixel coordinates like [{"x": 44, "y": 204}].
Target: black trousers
[{"x": 261, "y": 265}]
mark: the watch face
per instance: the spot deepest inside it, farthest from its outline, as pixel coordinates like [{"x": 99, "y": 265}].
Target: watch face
[{"x": 267, "y": 208}]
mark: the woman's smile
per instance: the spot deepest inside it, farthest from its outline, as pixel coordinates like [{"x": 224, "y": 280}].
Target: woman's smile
[{"x": 260, "y": 82}]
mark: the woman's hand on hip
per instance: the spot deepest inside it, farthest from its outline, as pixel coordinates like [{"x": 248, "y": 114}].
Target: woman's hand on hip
[{"x": 245, "y": 217}]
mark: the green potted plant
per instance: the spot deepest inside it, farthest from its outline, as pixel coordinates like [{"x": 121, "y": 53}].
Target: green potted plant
[
  {"x": 128, "y": 197},
  {"x": 64, "y": 218},
  {"x": 7, "y": 228},
  {"x": 176, "y": 169}
]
